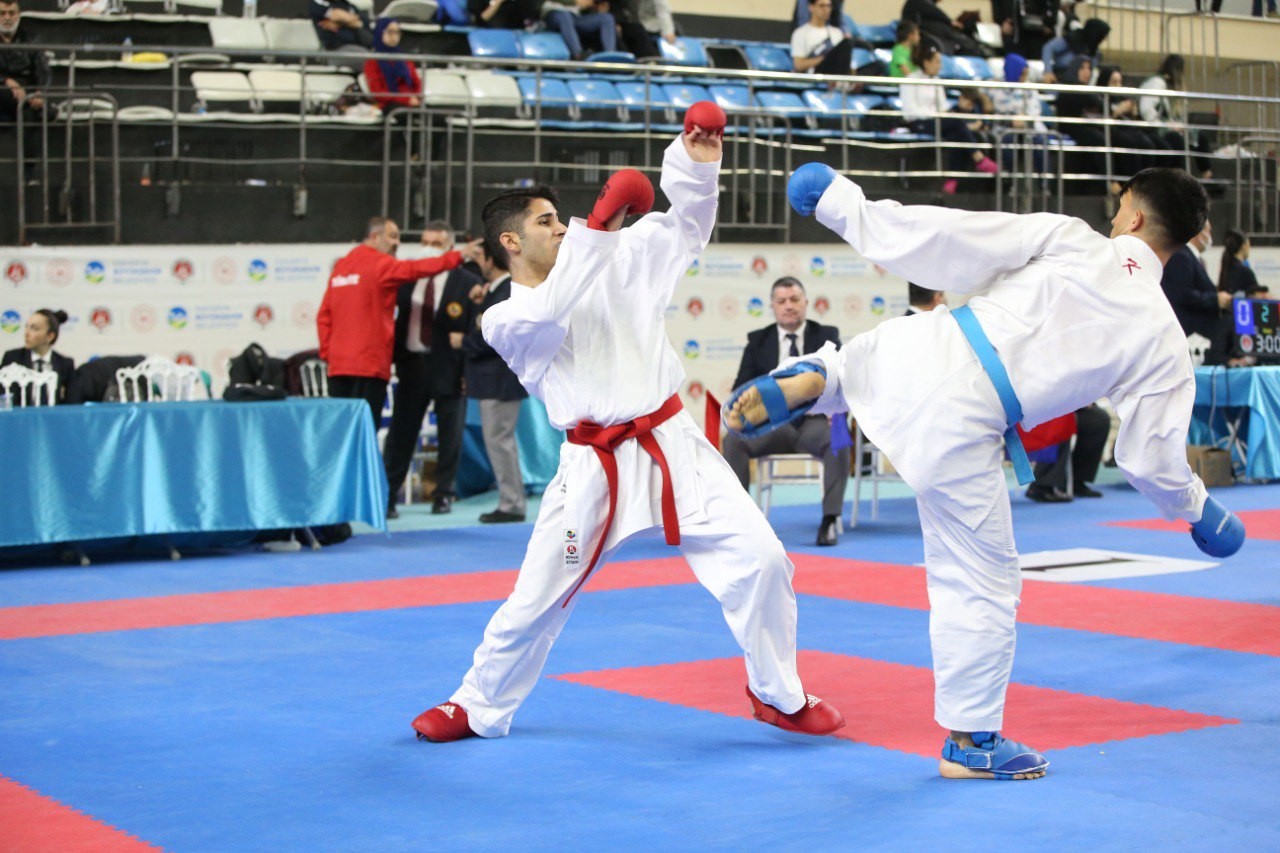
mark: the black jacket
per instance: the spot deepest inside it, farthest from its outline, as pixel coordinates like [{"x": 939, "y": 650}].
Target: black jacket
[
  {"x": 762, "y": 353},
  {"x": 62, "y": 365},
  {"x": 488, "y": 377},
  {"x": 1191, "y": 293},
  {"x": 94, "y": 378},
  {"x": 29, "y": 67},
  {"x": 455, "y": 314}
]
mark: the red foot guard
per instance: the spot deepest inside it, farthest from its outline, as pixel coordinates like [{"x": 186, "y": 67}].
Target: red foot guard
[
  {"x": 443, "y": 723},
  {"x": 816, "y": 717}
]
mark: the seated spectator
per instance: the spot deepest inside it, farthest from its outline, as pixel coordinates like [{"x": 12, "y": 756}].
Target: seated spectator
[
  {"x": 504, "y": 14},
  {"x": 1123, "y": 109},
  {"x": 817, "y": 47},
  {"x": 1093, "y": 425},
  {"x": 37, "y": 354},
  {"x": 392, "y": 82},
  {"x": 1025, "y": 25},
  {"x": 1084, "y": 104},
  {"x": 1019, "y": 102},
  {"x": 1235, "y": 276},
  {"x": 341, "y": 26},
  {"x": 837, "y": 14},
  {"x": 921, "y": 103},
  {"x": 969, "y": 126},
  {"x": 641, "y": 23},
  {"x": 1059, "y": 53},
  {"x": 908, "y": 37},
  {"x": 578, "y": 20},
  {"x": 25, "y": 73},
  {"x": 1160, "y": 109},
  {"x": 950, "y": 36}
]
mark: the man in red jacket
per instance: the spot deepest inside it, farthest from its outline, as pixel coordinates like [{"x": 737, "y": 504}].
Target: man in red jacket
[{"x": 356, "y": 321}]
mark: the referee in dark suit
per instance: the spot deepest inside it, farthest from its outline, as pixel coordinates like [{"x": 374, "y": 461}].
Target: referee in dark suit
[
  {"x": 40, "y": 335},
  {"x": 430, "y": 371},
  {"x": 792, "y": 335}
]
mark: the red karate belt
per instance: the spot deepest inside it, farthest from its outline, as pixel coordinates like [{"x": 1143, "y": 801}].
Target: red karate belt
[{"x": 604, "y": 440}]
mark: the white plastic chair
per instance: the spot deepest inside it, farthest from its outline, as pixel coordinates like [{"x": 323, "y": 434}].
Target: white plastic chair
[
  {"x": 445, "y": 88},
  {"x": 291, "y": 34},
  {"x": 784, "y": 469},
  {"x": 411, "y": 10},
  {"x": 315, "y": 378},
  {"x": 157, "y": 378},
  {"x": 226, "y": 88},
  {"x": 880, "y": 472},
  {"x": 237, "y": 33},
  {"x": 279, "y": 88},
  {"x": 22, "y": 386}
]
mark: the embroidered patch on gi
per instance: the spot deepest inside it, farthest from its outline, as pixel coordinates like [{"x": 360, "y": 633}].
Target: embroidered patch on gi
[
  {"x": 571, "y": 555},
  {"x": 454, "y": 309},
  {"x": 570, "y": 535}
]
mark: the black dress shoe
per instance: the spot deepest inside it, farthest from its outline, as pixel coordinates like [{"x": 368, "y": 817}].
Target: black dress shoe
[
  {"x": 501, "y": 517},
  {"x": 828, "y": 530},
  {"x": 1047, "y": 495},
  {"x": 441, "y": 504},
  {"x": 392, "y": 512},
  {"x": 1083, "y": 490}
]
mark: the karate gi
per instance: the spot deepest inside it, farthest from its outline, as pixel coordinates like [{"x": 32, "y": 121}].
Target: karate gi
[
  {"x": 590, "y": 342},
  {"x": 1074, "y": 316}
]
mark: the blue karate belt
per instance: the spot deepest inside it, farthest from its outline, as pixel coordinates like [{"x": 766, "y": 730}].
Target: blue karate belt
[{"x": 1000, "y": 379}]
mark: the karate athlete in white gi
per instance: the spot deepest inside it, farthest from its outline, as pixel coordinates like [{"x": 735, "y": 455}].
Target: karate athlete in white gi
[
  {"x": 1069, "y": 316},
  {"x": 585, "y": 333}
]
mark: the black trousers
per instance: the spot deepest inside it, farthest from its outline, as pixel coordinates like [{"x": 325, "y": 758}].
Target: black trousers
[
  {"x": 371, "y": 389},
  {"x": 412, "y": 399},
  {"x": 1092, "y": 427}
]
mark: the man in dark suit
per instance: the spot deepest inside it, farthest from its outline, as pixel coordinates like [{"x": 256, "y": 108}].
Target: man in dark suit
[
  {"x": 40, "y": 335},
  {"x": 792, "y": 335},
  {"x": 921, "y": 299},
  {"x": 495, "y": 386},
  {"x": 430, "y": 371},
  {"x": 1195, "y": 300}
]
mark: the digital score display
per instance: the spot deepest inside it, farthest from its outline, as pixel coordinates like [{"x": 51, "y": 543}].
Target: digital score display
[{"x": 1258, "y": 328}]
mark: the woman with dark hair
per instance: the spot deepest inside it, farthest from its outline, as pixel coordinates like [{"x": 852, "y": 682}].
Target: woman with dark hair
[
  {"x": 1172, "y": 115},
  {"x": 1235, "y": 275},
  {"x": 39, "y": 336},
  {"x": 1086, "y": 41},
  {"x": 1124, "y": 108},
  {"x": 392, "y": 82}
]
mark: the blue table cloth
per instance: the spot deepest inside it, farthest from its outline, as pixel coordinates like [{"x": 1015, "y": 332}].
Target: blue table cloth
[
  {"x": 537, "y": 440},
  {"x": 79, "y": 473},
  {"x": 1246, "y": 399}
]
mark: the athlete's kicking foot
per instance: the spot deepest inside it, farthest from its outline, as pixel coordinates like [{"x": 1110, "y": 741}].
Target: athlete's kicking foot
[
  {"x": 988, "y": 755},
  {"x": 749, "y": 410}
]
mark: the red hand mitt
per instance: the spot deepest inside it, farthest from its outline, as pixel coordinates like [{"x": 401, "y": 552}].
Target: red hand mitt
[
  {"x": 626, "y": 189},
  {"x": 706, "y": 115}
]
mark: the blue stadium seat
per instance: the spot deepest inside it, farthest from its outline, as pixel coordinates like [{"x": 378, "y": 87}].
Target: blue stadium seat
[
  {"x": 613, "y": 56},
  {"x": 544, "y": 45},
  {"x": 654, "y": 99},
  {"x": 975, "y": 66},
  {"x": 954, "y": 69},
  {"x": 553, "y": 97},
  {"x": 832, "y": 107},
  {"x": 730, "y": 98},
  {"x": 763, "y": 57},
  {"x": 686, "y": 51},
  {"x": 862, "y": 57},
  {"x": 881, "y": 35},
  {"x": 494, "y": 44},
  {"x": 685, "y": 95},
  {"x": 599, "y": 102},
  {"x": 787, "y": 104}
]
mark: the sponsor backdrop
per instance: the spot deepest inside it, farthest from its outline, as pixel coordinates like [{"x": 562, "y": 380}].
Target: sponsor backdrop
[{"x": 204, "y": 304}]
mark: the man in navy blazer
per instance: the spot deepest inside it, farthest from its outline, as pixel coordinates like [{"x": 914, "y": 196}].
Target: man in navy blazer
[
  {"x": 1193, "y": 295},
  {"x": 427, "y": 372},
  {"x": 792, "y": 335}
]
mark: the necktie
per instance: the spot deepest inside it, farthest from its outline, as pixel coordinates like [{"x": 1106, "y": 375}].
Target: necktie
[
  {"x": 428, "y": 313},
  {"x": 794, "y": 351},
  {"x": 40, "y": 363}
]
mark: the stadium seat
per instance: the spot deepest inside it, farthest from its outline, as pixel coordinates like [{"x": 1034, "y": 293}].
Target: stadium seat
[
  {"x": 599, "y": 102},
  {"x": 494, "y": 44},
  {"x": 731, "y": 98},
  {"x": 729, "y": 57},
  {"x": 685, "y": 95},
  {"x": 277, "y": 89},
  {"x": 422, "y": 11},
  {"x": 653, "y": 100},
  {"x": 763, "y": 57},
  {"x": 291, "y": 34},
  {"x": 544, "y": 45},
  {"x": 548, "y": 98},
  {"x": 975, "y": 67},
  {"x": 445, "y": 88},
  {"x": 493, "y": 90},
  {"x": 686, "y": 51},
  {"x": 320, "y": 89},
  {"x": 229, "y": 90},
  {"x": 237, "y": 33},
  {"x": 620, "y": 56},
  {"x": 833, "y": 108},
  {"x": 862, "y": 58},
  {"x": 881, "y": 35}
]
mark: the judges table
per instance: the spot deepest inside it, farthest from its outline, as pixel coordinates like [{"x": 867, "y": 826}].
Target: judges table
[
  {"x": 78, "y": 473},
  {"x": 1240, "y": 408}
]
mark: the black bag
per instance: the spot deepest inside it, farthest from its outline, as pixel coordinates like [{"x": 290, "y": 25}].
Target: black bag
[{"x": 254, "y": 375}]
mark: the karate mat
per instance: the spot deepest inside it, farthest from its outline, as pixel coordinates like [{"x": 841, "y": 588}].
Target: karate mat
[{"x": 261, "y": 701}]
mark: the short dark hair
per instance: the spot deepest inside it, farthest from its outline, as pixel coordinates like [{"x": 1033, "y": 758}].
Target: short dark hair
[
  {"x": 505, "y": 212},
  {"x": 438, "y": 225},
  {"x": 54, "y": 318},
  {"x": 923, "y": 52},
  {"x": 786, "y": 281},
  {"x": 1175, "y": 204},
  {"x": 493, "y": 257},
  {"x": 917, "y": 295},
  {"x": 904, "y": 30}
]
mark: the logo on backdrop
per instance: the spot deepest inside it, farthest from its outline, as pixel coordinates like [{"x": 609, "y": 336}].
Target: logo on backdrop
[
  {"x": 852, "y": 305},
  {"x": 16, "y": 273},
  {"x": 303, "y": 315},
  {"x": 697, "y": 389},
  {"x": 178, "y": 317},
  {"x": 694, "y": 307},
  {"x": 185, "y": 358},
  {"x": 263, "y": 315},
  {"x": 257, "y": 269},
  {"x": 693, "y": 268},
  {"x": 143, "y": 318},
  {"x": 100, "y": 318},
  {"x": 818, "y": 266},
  {"x": 183, "y": 269},
  {"x": 692, "y": 349},
  {"x": 224, "y": 270},
  {"x": 10, "y": 321},
  {"x": 59, "y": 272},
  {"x": 755, "y": 306},
  {"x": 821, "y": 305},
  {"x": 877, "y": 305},
  {"x": 729, "y": 307},
  {"x": 95, "y": 272},
  {"x": 759, "y": 265}
]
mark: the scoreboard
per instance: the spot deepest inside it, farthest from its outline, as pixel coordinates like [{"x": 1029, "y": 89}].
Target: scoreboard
[{"x": 1258, "y": 328}]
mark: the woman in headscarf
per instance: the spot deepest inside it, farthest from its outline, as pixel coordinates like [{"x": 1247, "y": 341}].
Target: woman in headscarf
[
  {"x": 392, "y": 82},
  {"x": 1086, "y": 41}
]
